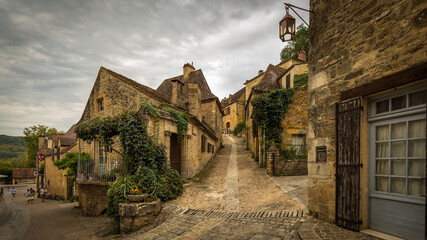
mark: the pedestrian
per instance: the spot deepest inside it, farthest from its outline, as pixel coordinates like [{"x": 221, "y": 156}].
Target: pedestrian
[
  {"x": 43, "y": 192},
  {"x": 13, "y": 192},
  {"x": 32, "y": 194},
  {"x": 27, "y": 195},
  {"x": 1, "y": 193},
  {"x": 8, "y": 188}
]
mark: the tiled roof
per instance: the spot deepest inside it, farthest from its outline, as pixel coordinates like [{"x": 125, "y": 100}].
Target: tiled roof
[
  {"x": 233, "y": 98},
  {"x": 142, "y": 88},
  {"x": 194, "y": 77},
  {"x": 19, "y": 173},
  {"x": 268, "y": 81}
]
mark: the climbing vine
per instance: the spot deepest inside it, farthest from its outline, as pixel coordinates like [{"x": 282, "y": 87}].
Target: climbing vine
[
  {"x": 270, "y": 108},
  {"x": 141, "y": 154}
]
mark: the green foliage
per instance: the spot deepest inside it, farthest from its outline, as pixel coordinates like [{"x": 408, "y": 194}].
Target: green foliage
[
  {"x": 138, "y": 146},
  {"x": 270, "y": 108},
  {"x": 70, "y": 162},
  {"x": 145, "y": 165},
  {"x": 300, "y": 42},
  {"x": 182, "y": 119},
  {"x": 152, "y": 110},
  {"x": 164, "y": 184},
  {"x": 300, "y": 80},
  {"x": 268, "y": 112},
  {"x": 31, "y": 140},
  {"x": 239, "y": 127},
  {"x": 103, "y": 129}
]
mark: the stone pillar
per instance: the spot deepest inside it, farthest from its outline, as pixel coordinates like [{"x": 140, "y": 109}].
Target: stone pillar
[{"x": 272, "y": 154}]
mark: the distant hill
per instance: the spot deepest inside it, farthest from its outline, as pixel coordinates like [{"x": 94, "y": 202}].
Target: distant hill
[{"x": 11, "y": 147}]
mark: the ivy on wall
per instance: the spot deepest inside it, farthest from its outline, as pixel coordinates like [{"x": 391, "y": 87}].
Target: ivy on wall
[
  {"x": 270, "y": 108},
  {"x": 139, "y": 149}
]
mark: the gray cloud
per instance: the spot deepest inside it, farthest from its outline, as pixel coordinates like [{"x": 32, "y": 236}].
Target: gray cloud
[{"x": 51, "y": 51}]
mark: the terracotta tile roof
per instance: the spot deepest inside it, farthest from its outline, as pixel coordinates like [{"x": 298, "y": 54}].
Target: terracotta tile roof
[
  {"x": 142, "y": 88},
  {"x": 19, "y": 173},
  {"x": 268, "y": 81}
]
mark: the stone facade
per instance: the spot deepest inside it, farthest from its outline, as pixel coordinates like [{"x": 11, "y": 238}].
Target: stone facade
[
  {"x": 296, "y": 118},
  {"x": 357, "y": 50},
  {"x": 234, "y": 110},
  {"x": 52, "y": 149},
  {"x": 275, "y": 77}
]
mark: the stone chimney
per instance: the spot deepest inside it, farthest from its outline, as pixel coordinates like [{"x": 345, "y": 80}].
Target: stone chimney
[
  {"x": 194, "y": 100},
  {"x": 188, "y": 68},
  {"x": 178, "y": 97},
  {"x": 41, "y": 140},
  {"x": 302, "y": 55},
  {"x": 260, "y": 71}
]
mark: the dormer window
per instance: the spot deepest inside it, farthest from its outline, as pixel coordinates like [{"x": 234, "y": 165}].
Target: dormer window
[{"x": 101, "y": 105}]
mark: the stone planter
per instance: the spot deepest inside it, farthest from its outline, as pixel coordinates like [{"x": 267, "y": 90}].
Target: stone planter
[
  {"x": 134, "y": 216},
  {"x": 137, "y": 198}
]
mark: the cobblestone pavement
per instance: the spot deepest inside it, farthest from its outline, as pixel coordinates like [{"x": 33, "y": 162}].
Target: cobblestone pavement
[
  {"x": 233, "y": 181},
  {"x": 206, "y": 224},
  {"x": 241, "y": 203}
]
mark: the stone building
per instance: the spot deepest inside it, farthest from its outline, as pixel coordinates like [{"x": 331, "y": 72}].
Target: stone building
[
  {"x": 273, "y": 78},
  {"x": 234, "y": 110},
  {"x": 113, "y": 93},
  {"x": 367, "y": 115},
  {"x": 52, "y": 149},
  {"x": 23, "y": 175}
]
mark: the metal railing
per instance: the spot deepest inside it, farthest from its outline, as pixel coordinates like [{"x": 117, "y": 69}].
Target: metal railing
[
  {"x": 294, "y": 152},
  {"x": 99, "y": 170}
]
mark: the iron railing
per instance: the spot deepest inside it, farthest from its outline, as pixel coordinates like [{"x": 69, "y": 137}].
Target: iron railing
[{"x": 98, "y": 169}]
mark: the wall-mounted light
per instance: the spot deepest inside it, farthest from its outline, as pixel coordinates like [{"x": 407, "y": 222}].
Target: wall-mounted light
[{"x": 287, "y": 24}]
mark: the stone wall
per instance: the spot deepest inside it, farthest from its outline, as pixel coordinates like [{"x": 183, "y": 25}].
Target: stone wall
[
  {"x": 93, "y": 197},
  {"x": 353, "y": 45},
  {"x": 296, "y": 117}
]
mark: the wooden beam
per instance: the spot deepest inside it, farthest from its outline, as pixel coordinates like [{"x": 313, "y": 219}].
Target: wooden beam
[{"x": 409, "y": 75}]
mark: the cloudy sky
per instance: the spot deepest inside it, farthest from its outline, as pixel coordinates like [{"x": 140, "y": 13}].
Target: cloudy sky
[{"x": 51, "y": 51}]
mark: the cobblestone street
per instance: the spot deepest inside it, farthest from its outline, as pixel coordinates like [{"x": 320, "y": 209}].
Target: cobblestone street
[{"x": 242, "y": 202}]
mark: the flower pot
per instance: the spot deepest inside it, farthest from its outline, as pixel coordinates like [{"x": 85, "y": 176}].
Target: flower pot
[{"x": 137, "y": 198}]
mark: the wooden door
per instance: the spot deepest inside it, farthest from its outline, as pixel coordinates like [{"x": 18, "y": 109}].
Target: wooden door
[
  {"x": 175, "y": 153},
  {"x": 69, "y": 188},
  {"x": 348, "y": 164}
]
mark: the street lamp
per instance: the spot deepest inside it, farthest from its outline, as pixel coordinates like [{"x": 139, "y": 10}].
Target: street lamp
[
  {"x": 287, "y": 27},
  {"x": 287, "y": 24}
]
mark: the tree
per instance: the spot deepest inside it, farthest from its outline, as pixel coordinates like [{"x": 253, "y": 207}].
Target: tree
[
  {"x": 32, "y": 141},
  {"x": 70, "y": 162},
  {"x": 300, "y": 42}
]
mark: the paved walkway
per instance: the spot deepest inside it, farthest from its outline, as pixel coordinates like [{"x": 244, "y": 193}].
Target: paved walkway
[
  {"x": 230, "y": 199},
  {"x": 242, "y": 202}
]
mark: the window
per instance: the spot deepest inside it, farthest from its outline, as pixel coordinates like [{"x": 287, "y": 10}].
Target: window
[
  {"x": 203, "y": 143},
  {"x": 400, "y": 157},
  {"x": 288, "y": 81},
  {"x": 101, "y": 105},
  {"x": 298, "y": 143},
  {"x": 397, "y": 103}
]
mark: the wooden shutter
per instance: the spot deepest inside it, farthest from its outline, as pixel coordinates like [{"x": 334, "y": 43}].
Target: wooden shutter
[{"x": 348, "y": 163}]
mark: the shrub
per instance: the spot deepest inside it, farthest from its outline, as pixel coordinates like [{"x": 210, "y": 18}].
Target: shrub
[{"x": 239, "y": 128}]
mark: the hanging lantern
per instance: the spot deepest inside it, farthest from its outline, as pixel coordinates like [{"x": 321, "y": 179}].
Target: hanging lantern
[{"x": 287, "y": 27}]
